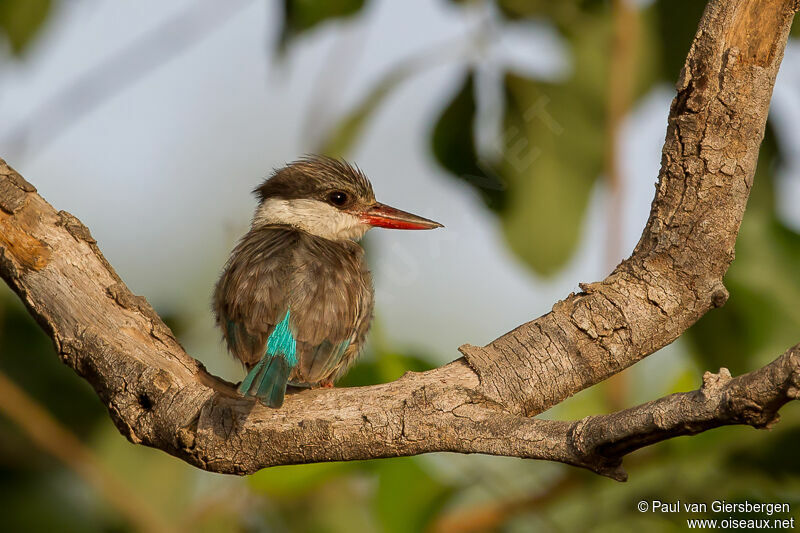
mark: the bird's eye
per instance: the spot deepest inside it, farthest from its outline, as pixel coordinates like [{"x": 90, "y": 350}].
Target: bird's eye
[{"x": 338, "y": 198}]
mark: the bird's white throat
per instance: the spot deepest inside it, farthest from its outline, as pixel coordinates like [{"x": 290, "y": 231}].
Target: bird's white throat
[{"x": 312, "y": 216}]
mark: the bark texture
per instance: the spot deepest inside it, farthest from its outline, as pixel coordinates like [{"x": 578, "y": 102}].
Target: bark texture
[
  {"x": 161, "y": 397},
  {"x": 674, "y": 276}
]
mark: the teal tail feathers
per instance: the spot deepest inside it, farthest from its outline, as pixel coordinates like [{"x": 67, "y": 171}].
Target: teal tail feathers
[{"x": 267, "y": 381}]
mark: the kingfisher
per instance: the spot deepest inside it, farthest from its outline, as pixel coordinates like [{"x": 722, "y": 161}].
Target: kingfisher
[{"x": 295, "y": 299}]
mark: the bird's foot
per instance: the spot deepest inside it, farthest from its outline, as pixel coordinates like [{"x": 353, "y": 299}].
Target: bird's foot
[{"x": 326, "y": 384}]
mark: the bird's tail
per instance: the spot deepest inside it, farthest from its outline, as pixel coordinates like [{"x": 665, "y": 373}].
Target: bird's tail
[{"x": 267, "y": 380}]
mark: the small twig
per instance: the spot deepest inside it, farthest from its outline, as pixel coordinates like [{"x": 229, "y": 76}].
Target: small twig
[{"x": 752, "y": 399}]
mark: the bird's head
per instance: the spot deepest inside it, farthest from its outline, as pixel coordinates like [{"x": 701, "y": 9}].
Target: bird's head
[{"x": 328, "y": 198}]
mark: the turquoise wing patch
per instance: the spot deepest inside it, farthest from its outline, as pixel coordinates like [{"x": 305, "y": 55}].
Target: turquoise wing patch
[
  {"x": 267, "y": 380},
  {"x": 281, "y": 342}
]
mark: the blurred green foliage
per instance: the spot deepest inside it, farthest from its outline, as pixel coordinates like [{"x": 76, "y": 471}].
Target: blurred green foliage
[
  {"x": 29, "y": 479},
  {"x": 548, "y": 185},
  {"x": 454, "y": 147},
  {"x": 394, "y": 495},
  {"x": 302, "y": 15},
  {"x": 533, "y": 181},
  {"x": 21, "y": 21},
  {"x": 537, "y": 180}
]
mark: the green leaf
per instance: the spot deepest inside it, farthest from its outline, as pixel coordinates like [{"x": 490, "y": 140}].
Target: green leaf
[
  {"x": 554, "y": 139},
  {"x": 539, "y": 188},
  {"x": 550, "y": 152},
  {"x": 453, "y": 142},
  {"x": 552, "y": 157},
  {"x": 21, "y": 20},
  {"x": 302, "y": 15}
]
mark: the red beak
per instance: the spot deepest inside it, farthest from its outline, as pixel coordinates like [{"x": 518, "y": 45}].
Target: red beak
[{"x": 383, "y": 216}]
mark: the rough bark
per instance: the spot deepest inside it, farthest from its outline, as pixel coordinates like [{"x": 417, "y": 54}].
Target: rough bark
[
  {"x": 674, "y": 276},
  {"x": 161, "y": 397}
]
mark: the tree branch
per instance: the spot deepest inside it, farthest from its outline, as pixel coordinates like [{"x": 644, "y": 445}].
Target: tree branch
[
  {"x": 674, "y": 276},
  {"x": 752, "y": 399},
  {"x": 159, "y": 396}
]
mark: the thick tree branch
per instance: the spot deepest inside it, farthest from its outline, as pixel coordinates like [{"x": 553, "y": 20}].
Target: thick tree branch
[
  {"x": 161, "y": 397},
  {"x": 674, "y": 276}
]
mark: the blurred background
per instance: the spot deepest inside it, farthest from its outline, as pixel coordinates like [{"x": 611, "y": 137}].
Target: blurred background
[{"x": 531, "y": 129}]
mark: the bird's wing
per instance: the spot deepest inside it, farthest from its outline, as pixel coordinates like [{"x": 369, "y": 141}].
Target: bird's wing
[
  {"x": 251, "y": 297},
  {"x": 293, "y": 306},
  {"x": 356, "y": 342},
  {"x": 331, "y": 302},
  {"x": 252, "y": 306}
]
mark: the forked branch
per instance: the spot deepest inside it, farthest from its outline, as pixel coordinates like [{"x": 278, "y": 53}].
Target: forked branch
[{"x": 161, "y": 397}]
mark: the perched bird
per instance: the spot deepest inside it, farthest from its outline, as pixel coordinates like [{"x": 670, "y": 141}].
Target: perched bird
[{"x": 294, "y": 301}]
